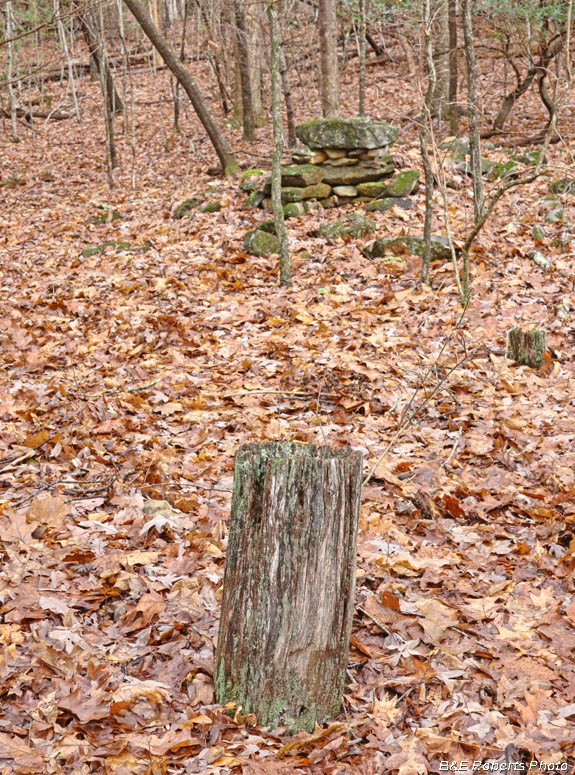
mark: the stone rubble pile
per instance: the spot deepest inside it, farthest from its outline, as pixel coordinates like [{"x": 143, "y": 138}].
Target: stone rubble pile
[{"x": 342, "y": 160}]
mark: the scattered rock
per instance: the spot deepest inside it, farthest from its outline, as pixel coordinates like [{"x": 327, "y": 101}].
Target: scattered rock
[
  {"x": 186, "y": 207},
  {"x": 410, "y": 245},
  {"x": 486, "y": 165},
  {"x": 563, "y": 186},
  {"x": 503, "y": 169},
  {"x": 211, "y": 207},
  {"x": 539, "y": 233},
  {"x": 555, "y": 215},
  {"x": 106, "y": 217},
  {"x": 352, "y": 228},
  {"x": 346, "y": 133},
  {"x": 260, "y": 243},
  {"x": 254, "y": 200},
  {"x": 96, "y": 250},
  {"x": 294, "y": 209},
  {"x": 403, "y": 184},
  {"x": 538, "y": 258},
  {"x": 530, "y": 157}
]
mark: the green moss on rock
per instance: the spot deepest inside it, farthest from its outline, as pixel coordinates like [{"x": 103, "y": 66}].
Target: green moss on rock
[
  {"x": 211, "y": 207},
  {"x": 346, "y": 133},
  {"x": 403, "y": 184},
  {"x": 381, "y": 205},
  {"x": 294, "y": 209},
  {"x": 352, "y": 228},
  {"x": 410, "y": 245},
  {"x": 301, "y": 175},
  {"x": 260, "y": 243},
  {"x": 563, "y": 186},
  {"x": 186, "y": 207},
  {"x": 96, "y": 250}
]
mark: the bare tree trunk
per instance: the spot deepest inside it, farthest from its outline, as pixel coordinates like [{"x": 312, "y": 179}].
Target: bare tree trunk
[
  {"x": 453, "y": 75},
  {"x": 440, "y": 47},
  {"x": 10, "y": 73},
  {"x": 329, "y": 68},
  {"x": 99, "y": 57},
  {"x": 473, "y": 113},
  {"x": 361, "y": 51},
  {"x": 288, "y": 99},
  {"x": 244, "y": 68},
  {"x": 254, "y": 25},
  {"x": 281, "y": 232},
  {"x": 221, "y": 145},
  {"x": 289, "y": 582},
  {"x": 424, "y": 140},
  {"x": 111, "y": 155}
]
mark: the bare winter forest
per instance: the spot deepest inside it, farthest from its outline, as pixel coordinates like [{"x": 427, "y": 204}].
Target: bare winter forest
[{"x": 418, "y": 306}]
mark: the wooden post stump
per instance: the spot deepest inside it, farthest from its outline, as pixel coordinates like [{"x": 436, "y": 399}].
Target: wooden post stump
[
  {"x": 289, "y": 582},
  {"x": 527, "y": 347}
]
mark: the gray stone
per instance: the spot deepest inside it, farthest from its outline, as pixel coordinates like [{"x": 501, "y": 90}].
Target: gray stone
[
  {"x": 352, "y": 228},
  {"x": 254, "y": 200},
  {"x": 411, "y": 245},
  {"x": 380, "y": 205},
  {"x": 305, "y": 155},
  {"x": 373, "y": 189},
  {"x": 503, "y": 169},
  {"x": 345, "y": 161},
  {"x": 294, "y": 209},
  {"x": 403, "y": 184},
  {"x": 248, "y": 182},
  {"x": 346, "y": 133},
  {"x": 530, "y": 157},
  {"x": 556, "y": 214},
  {"x": 301, "y": 175},
  {"x": 186, "y": 207},
  {"x": 486, "y": 165},
  {"x": 292, "y": 194},
  {"x": 319, "y": 191},
  {"x": 563, "y": 186},
  {"x": 260, "y": 243},
  {"x": 360, "y": 173},
  {"x": 345, "y": 191},
  {"x": 333, "y": 153},
  {"x": 539, "y": 233},
  {"x": 211, "y": 207}
]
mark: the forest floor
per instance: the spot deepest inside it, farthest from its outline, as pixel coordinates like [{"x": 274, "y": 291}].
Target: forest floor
[{"x": 129, "y": 379}]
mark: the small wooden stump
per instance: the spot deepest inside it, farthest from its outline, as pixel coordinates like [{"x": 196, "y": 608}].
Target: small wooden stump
[
  {"x": 527, "y": 347},
  {"x": 289, "y": 583}
]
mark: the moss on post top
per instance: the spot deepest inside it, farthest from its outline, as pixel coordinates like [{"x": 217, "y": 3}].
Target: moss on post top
[
  {"x": 273, "y": 450},
  {"x": 346, "y": 133}
]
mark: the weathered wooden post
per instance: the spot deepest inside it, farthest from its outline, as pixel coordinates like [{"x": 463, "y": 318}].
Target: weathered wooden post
[
  {"x": 526, "y": 347},
  {"x": 289, "y": 583}
]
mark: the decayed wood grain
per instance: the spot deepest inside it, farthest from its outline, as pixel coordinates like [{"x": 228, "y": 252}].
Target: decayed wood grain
[
  {"x": 289, "y": 583},
  {"x": 526, "y": 347}
]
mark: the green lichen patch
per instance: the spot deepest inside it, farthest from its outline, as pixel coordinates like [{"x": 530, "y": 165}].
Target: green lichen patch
[
  {"x": 346, "y": 133},
  {"x": 186, "y": 207},
  {"x": 353, "y": 228},
  {"x": 96, "y": 250},
  {"x": 260, "y": 243}
]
